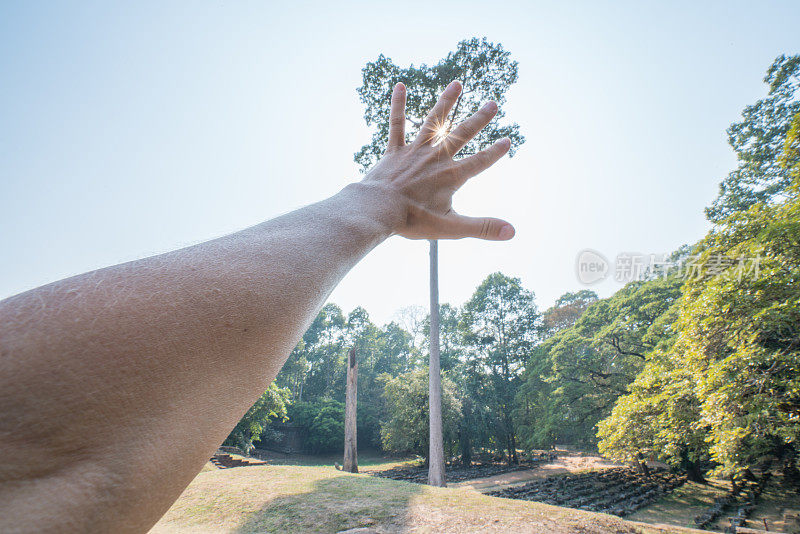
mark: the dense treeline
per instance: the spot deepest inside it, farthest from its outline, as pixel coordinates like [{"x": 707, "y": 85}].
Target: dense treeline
[
  {"x": 696, "y": 364},
  {"x": 722, "y": 385}
]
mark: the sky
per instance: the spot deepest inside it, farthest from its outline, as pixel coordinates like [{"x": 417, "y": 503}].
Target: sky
[{"x": 131, "y": 130}]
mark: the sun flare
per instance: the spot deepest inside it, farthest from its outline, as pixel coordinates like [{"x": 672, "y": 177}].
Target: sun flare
[{"x": 440, "y": 133}]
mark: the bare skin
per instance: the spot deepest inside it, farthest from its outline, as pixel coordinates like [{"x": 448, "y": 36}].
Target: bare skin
[{"x": 117, "y": 385}]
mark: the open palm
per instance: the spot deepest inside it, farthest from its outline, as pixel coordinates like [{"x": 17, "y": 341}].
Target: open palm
[{"x": 422, "y": 176}]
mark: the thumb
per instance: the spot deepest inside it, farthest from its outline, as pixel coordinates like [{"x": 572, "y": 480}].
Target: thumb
[{"x": 457, "y": 226}]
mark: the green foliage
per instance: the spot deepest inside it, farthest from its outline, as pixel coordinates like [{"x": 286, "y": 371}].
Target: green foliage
[
  {"x": 500, "y": 324},
  {"x": 790, "y": 158},
  {"x": 741, "y": 332},
  {"x": 539, "y": 414},
  {"x": 315, "y": 370},
  {"x": 659, "y": 417},
  {"x": 406, "y": 427},
  {"x": 270, "y": 406},
  {"x": 758, "y": 140},
  {"x": 485, "y": 71},
  {"x": 727, "y": 385},
  {"x": 322, "y": 422},
  {"x": 574, "y": 378},
  {"x": 451, "y": 349}
]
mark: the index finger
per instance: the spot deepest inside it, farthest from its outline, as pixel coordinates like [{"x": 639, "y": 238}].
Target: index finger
[{"x": 435, "y": 119}]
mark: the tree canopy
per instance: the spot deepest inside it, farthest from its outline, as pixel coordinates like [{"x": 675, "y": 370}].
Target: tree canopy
[
  {"x": 758, "y": 140},
  {"x": 485, "y": 70}
]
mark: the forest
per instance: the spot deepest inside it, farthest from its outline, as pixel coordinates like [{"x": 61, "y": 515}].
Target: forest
[{"x": 696, "y": 364}]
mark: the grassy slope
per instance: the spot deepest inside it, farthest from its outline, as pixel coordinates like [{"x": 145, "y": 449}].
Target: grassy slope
[{"x": 286, "y": 499}]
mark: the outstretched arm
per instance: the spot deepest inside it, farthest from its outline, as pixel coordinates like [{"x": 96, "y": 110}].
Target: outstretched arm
[{"x": 116, "y": 386}]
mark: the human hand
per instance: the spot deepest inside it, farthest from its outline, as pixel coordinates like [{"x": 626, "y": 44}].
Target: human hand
[{"x": 420, "y": 178}]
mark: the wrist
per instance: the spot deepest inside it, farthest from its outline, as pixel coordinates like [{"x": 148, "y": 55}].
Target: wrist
[{"x": 379, "y": 207}]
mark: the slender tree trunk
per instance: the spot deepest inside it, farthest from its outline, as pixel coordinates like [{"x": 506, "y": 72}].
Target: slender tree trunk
[
  {"x": 514, "y": 456},
  {"x": 466, "y": 448},
  {"x": 692, "y": 470},
  {"x": 464, "y": 435},
  {"x": 642, "y": 464},
  {"x": 350, "y": 420},
  {"x": 436, "y": 442}
]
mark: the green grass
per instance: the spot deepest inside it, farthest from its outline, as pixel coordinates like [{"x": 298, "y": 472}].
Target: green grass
[{"x": 292, "y": 498}]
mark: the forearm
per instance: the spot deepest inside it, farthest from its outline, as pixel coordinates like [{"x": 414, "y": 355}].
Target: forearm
[{"x": 165, "y": 354}]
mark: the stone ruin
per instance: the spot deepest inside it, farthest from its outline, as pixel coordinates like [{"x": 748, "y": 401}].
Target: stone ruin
[{"x": 618, "y": 491}]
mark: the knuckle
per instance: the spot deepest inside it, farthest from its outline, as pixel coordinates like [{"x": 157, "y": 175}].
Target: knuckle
[
  {"x": 485, "y": 227},
  {"x": 427, "y": 135},
  {"x": 466, "y": 130}
]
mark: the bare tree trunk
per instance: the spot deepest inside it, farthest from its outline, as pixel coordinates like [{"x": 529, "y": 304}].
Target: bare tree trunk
[
  {"x": 642, "y": 464},
  {"x": 436, "y": 442},
  {"x": 350, "y": 421}
]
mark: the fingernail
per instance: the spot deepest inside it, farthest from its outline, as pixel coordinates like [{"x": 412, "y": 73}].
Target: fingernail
[
  {"x": 505, "y": 142},
  {"x": 400, "y": 87},
  {"x": 490, "y": 106},
  {"x": 506, "y": 232},
  {"x": 454, "y": 84}
]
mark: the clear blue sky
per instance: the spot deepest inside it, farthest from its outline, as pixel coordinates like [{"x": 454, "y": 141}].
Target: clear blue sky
[{"x": 129, "y": 130}]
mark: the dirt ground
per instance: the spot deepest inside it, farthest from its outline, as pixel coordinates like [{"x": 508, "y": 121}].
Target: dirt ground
[{"x": 567, "y": 462}]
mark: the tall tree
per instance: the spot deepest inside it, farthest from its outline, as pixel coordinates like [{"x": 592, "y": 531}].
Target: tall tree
[
  {"x": 741, "y": 326},
  {"x": 405, "y": 427},
  {"x": 758, "y": 141},
  {"x": 436, "y": 441},
  {"x": 486, "y": 72},
  {"x": 501, "y": 321}
]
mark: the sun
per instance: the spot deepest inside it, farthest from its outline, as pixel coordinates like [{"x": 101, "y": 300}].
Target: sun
[{"x": 440, "y": 133}]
